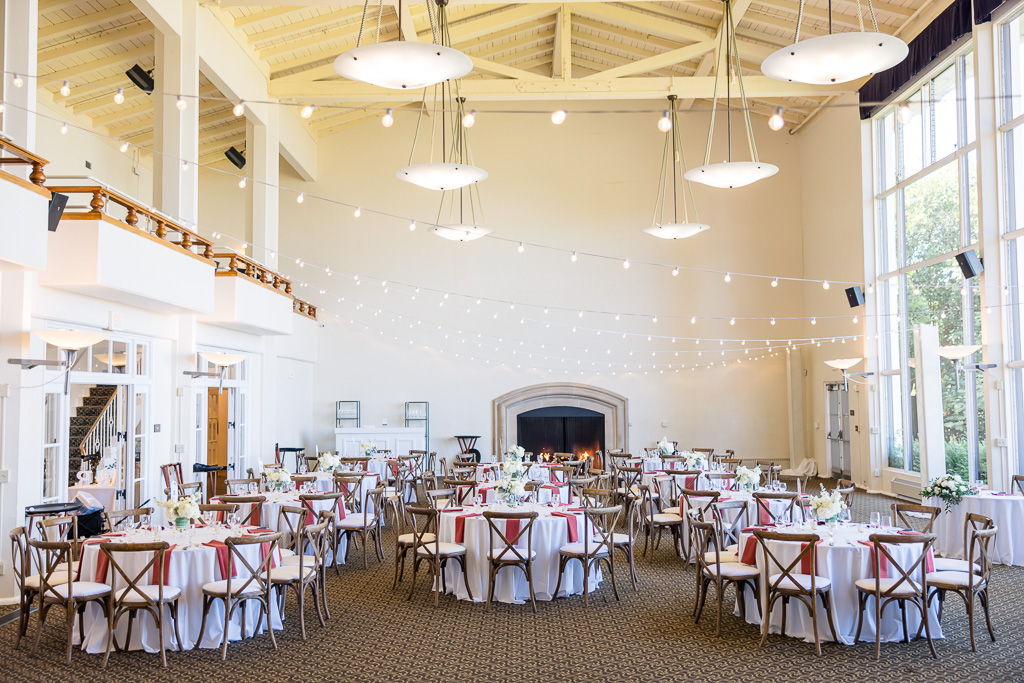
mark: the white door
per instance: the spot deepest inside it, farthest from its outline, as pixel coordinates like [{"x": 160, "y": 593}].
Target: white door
[{"x": 838, "y": 435}]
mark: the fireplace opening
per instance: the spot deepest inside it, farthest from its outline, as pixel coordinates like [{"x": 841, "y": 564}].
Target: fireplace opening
[{"x": 561, "y": 429}]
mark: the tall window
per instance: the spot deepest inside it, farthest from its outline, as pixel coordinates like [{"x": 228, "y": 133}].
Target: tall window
[{"x": 926, "y": 212}]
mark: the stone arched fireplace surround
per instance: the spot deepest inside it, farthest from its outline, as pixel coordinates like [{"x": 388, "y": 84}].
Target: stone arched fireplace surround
[{"x": 509, "y": 406}]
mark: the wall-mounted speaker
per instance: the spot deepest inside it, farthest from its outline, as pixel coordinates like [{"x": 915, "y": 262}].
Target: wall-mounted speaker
[
  {"x": 235, "y": 157},
  {"x": 57, "y": 203},
  {"x": 855, "y": 295},
  {"x": 970, "y": 264}
]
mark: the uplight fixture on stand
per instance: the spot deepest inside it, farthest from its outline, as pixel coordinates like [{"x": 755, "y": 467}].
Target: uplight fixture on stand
[
  {"x": 221, "y": 360},
  {"x": 729, "y": 173},
  {"x": 957, "y": 355},
  {"x": 68, "y": 341},
  {"x": 673, "y": 168},
  {"x": 835, "y": 57},
  {"x": 402, "y": 64},
  {"x": 845, "y": 364},
  {"x": 455, "y": 168}
]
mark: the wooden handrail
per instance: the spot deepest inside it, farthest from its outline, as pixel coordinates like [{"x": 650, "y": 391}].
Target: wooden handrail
[
  {"x": 240, "y": 265},
  {"x": 97, "y": 424},
  {"x": 158, "y": 225},
  {"x": 304, "y": 308},
  {"x": 23, "y": 156}
]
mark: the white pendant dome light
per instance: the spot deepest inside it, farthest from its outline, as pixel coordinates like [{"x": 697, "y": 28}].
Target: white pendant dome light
[
  {"x": 463, "y": 221},
  {"x": 729, "y": 173},
  {"x": 441, "y": 176},
  {"x": 460, "y": 232},
  {"x": 836, "y": 57},
  {"x": 401, "y": 64},
  {"x": 673, "y": 166}
]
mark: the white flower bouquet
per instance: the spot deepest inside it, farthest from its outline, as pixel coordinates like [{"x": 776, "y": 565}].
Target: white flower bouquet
[
  {"x": 747, "y": 477},
  {"x": 515, "y": 453},
  {"x": 511, "y": 490},
  {"x": 694, "y": 461},
  {"x": 666, "y": 447},
  {"x": 183, "y": 508},
  {"x": 826, "y": 506},
  {"x": 368, "y": 448},
  {"x": 277, "y": 478},
  {"x": 951, "y": 488},
  {"x": 328, "y": 461}
]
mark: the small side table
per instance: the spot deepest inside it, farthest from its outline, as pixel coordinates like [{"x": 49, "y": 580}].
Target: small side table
[
  {"x": 466, "y": 442},
  {"x": 292, "y": 449}
]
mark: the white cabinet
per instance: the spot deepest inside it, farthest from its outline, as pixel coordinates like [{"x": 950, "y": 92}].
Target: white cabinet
[{"x": 398, "y": 440}]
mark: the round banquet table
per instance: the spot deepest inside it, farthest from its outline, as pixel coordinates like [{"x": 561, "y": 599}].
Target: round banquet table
[
  {"x": 550, "y": 533},
  {"x": 844, "y": 563},
  {"x": 188, "y": 570},
  {"x": 732, "y": 517},
  {"x": 1007, "y": 511}
]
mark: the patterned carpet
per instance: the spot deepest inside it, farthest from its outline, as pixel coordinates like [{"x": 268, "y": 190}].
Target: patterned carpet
[{"x": 376, "y": 635}]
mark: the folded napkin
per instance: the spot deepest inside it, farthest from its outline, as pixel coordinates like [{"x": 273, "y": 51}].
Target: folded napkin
[
  {"x": 161, "y": 571},
  {"x": 460, "y": 525},
  {"x": 883, "y": 561},
  {"x": 808, "y": 563},
  {"x": 452, "y": 510},
  {"x": 1002, "y": 493},
  {"x": 101, "y": 561},
  {"x": 570, "y": 520},
  {"x": 511, "y": 529},
  {"x": 112, "y": 534},
  {"x": 223, "y": 558},
  {"x": 690, "y": 481},
  {"x": 749, "y": 552},
  {"x": 260, "y": 530}
]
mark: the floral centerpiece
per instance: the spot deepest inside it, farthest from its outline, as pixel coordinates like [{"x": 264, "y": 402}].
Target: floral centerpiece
[
  {"x": 369, "y": 448},
  {"x": 694, "y": 461},
  {"x": 277, "y": 478},
  {"x": 950, "y": 488},
  {"x": 511, "y": 489},
  {"x": 666, "y": 447},
  {"x": 827, "y": 506},
  {"x": 748, "y": 478},
  {"x": 181, "y": 509},
  {"x": 328, "y": 461}
]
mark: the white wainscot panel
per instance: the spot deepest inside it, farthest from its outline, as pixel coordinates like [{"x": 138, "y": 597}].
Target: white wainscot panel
[
  {"x": 242, "y": 303},
  {"x": 106, "y": 259},
  {"x": 398, "y": 440},
  {"x": 23, "y": 226}
]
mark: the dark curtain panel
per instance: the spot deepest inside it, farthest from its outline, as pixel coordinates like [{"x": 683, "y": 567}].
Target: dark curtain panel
[
  {"x": 954, "y": 23},
  {"x": 541, "y": 434},
  {"x": 983, "y": 10},
  {"x": 584, "y": 434}
]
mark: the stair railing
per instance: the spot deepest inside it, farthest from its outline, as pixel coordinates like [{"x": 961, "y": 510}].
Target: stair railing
[{"x": 103, "y": 431}]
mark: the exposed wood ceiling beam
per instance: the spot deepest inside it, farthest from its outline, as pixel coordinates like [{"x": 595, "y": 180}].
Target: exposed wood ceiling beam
[
  {"x": 141, "y": 29},
  {"x": 131, "y": 98},
  {"x": 656, "y": 62},
  {"x": 341, "y": 32},
  {"x": 311, "y": 24},
  {"x": 257, "y": 17},
  {"x": 643, "y": 22},
  {"x": 87, "y": 20},
  {"x": 71, "y": 72},
  {"x": 547, "y": 88},
  {"x": 498, "y": 69},
  {"x": 125, "y": 112}
]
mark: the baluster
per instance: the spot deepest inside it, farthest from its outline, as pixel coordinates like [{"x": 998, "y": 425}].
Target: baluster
[
  {"x": 277, "y": 281},
  {"x": 233, "y": 263},
  {"x": 37, "y": 176},
  {"x": 161, "y": 229},
  {"x": 312, "y": 311},
  {"x": 98, "y": 201},
  {"x": 186, "y": 241},
  {"x": 208, "y": 251},
  {"x": 132, "y": 218},
  {"x": 250, "y": 270},
  {"x": 287, "y": 287}
]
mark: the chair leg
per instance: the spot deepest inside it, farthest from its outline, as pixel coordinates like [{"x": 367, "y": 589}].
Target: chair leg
[
  {"x": 70, "y": 611},
  {"x": 160, "y": 634},
  {"x": 828, "y": 615},
  {"x": 861, "y": 598},
  {"x": 415, "y": 566},
  {"x": 969, "y": 604},
  {"x": 465, "y": 576},
  {"x": 928, "y": 632},
  {"x": 490, "y": 586},
  {"x": 227, "y": 623},
  {"x": 785, "y": 604},
  {"x": 323, "y": 589},
  {"x": 529, "y": 582},
  {"x": 110, "y": 635},
  {"x": 202, "y": 623},
  {"x": 302, "y": 611},
  {"x": 903, "y": 618},
  {"x": 632, "y": 567},
  {"x": 586, "y": 584},
  {"x": 702, "y": 596},
  {"x": 814, "y": 624},
  {"x": 878, "y": 627},
  {"x": 173, "y": 609},
  {"x": 765, "y": 621},
  {"x": 983, "y": 596},
  {"x": 561, "y": 568}
]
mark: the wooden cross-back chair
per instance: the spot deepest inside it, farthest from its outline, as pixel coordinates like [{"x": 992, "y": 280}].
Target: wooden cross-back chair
[
  {"x": 969, "y": 584},
  {"x": 427, "y": 548},
  {"x": 464, "y": 490},
  {"x": 117, "y": 517},
  {"x": 1017, "y": 485},
  {"x": 172, "y": 470},
  {"x": 239, "y": 486},
  {"x": 702, "y": 503},
  {"x": 598, "y": 545},
  {"x": 508, "y": 555},
  {"x": 916, "y": 517},
  {"x": 254, "y": 515},
  {"x": 789, "y": 500},
  {"x": 655, "y": 522},
  {"x": 711, "y": 573}
]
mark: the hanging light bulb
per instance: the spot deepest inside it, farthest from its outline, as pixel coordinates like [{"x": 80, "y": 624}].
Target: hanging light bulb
[
  {"x": 239, "y": 108},
  {"x": 728, "y": 277},
  {"x": 733, "y": 321},
  {"x": 184, "y": 166},
  {"x": 388, "y": 119},
  {"x": 675, "y": 271},
  {"x": 306, "y": 111},
  {"x": 119, "y": 96},
  {"x": 773, "y": 321},
  {"x": 855, "y": 321},
  {"x": 181, "y": 104},
  {"x": 521, "y": 248},
  {"x": 18, "y": 81},
  {"x": 469, "y": 119},
  {"x": 665, "y": 122},
  {"x": 241, "y": 183},
  {"x": 412, "y": 225},
  {"x": 301, "y": 198},
  {"x": 814, "y": 321},
  {"x": 558, "y": 117},
  {"x": 625, "y": 264},
  {"x": 775, "y": 282},
  {"x": 64, "y": 128},
  {"x": 904, "y": 113},
  {"x": 65, "y": 88},
  {"x": 573, "y": 257},
  {"x": 692, "y": 321},
  {"x": 825, "y": 284},
  {"x": 775, "y": 121},
  {"x": 124, "y": 147},
  {"x": 358, "y": 212}
]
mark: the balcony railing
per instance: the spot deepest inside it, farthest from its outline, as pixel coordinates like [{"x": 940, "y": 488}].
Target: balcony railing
[
  {"x": 157, "y": 226},
  {"x": 242, "y": 266},
  {"x": 11, "y": 153},
  {"x": 304, "y": 308}
]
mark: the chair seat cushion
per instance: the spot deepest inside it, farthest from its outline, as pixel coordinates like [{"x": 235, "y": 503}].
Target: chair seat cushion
[
  {"x": 620, "y": 539},
  {"x": 733, "y": 570},
  {"x": 723, "y": 556},
  {"x": 82, "y": 589},
  {"x": 294, "y": 560},
  {"x": 948, "y": 564},
  {"x": 442, "y": 549},
  {"x": 953, "y": 580},
  {"x": 734, "y": 548},
  {"x": 802, "y": 582},
  {"x": 132, "y": 597},
  {"x": 908, "y": 588},
  {"x": 289, "y": 572},
  {"x": 34, "y": 582},
  {"x": 409, "y": 539},
  {"x": 355, "y": 522},
  {"x": 577, "y": 549},
  {"x": 221, "y": 587},
  {"x": 287, "y": 552},
  {"x": 665, "y": 518},
  {"x": 508, "y": 555}
]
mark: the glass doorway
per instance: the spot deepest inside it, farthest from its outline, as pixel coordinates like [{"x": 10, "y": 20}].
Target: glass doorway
[{"x": 837, "y": 419}]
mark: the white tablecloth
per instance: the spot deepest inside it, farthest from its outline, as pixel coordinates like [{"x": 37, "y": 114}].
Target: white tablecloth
[
  {"x": 1006, "y": 511},
  {"x": 549, "y": 534},
  {"x": 188, "y": 570},
  {"x": 844, "y": 563}
]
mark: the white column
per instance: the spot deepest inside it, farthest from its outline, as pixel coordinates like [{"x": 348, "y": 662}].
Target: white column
[
  {"x": 929, "y": 402},
  {"x": 19, "y": 28},
  {"x": 262, "y": 165},
  {"x": 176, "y": 133},
  {"x": 994, "y": 327}
]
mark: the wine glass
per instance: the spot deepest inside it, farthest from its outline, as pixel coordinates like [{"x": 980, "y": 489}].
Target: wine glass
[
  {"x": 233, "y": 521},
  {"x": 830, "y": 529},
  {"x": 844, "y": 516},
  {"x": 145, "y": 520},
  {"x": 887, "y": 522},
  {"x": 876, "y": 518}
]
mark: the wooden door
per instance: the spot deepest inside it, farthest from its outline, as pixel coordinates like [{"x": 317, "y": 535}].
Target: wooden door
[{"x": 216, "y": 433}]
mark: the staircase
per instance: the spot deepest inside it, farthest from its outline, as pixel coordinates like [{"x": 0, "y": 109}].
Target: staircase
[{"x": 96, "y": 408}]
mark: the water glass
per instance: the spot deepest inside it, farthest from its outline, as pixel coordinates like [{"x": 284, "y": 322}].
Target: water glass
[
  {"x": 887, "y": 522},
  {"x": 876, "y": 518},
  {"x": 145, "y": 520},
  {"x": 844, "y": 517}
]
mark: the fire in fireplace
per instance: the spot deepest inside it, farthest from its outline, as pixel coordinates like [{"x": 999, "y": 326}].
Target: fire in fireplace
[{"x": 556, "y": 433}]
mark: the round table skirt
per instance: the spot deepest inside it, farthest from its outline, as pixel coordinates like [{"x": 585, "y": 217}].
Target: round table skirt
[
  {"x": 188, "y": 570},
  {"x": 844, "y": 563},
  {"x": 549, "y": 534},
  {"x": 1006, "y": 511}
]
